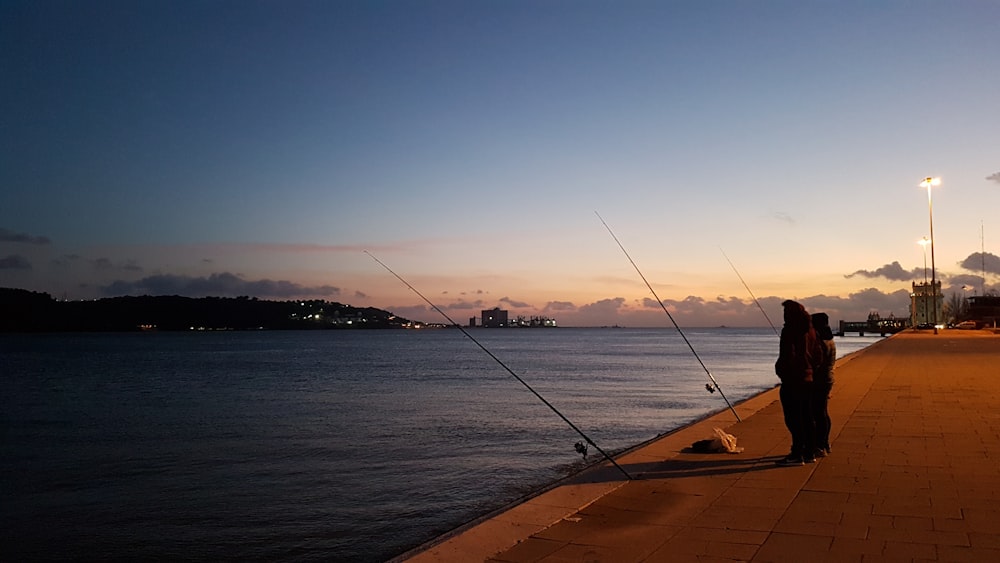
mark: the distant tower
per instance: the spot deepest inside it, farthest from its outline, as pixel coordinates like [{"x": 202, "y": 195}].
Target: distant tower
[
  {"x": 922, "y": 302},
  {"x": 494, "y": 318}
]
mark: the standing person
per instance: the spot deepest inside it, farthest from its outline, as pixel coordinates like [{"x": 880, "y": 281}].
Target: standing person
[
  {"x": 798, "y": 352},
  {"x": 823, "y": 383}
]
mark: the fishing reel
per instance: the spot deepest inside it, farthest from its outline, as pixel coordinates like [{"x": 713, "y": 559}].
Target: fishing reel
[
  {"x": 710, "y": 388},
  {"x": 581, "y": 448}
]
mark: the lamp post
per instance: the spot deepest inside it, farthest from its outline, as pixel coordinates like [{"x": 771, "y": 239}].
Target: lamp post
[
  {"x": 965, "y": 304},
  {"x": 924, "y": 242},
  {"x": 928, "y": 183},
  {"x": 923, "y": 293}
]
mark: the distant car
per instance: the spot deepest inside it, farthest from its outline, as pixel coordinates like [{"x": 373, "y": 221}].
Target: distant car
[
  {"x": 967, "y": 325},
  {"x": 925, "y": 326}
]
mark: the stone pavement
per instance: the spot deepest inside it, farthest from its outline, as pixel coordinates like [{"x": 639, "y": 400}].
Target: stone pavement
[{"x": 914, "y": 475}]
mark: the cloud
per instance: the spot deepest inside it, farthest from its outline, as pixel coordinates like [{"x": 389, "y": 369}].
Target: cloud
[
  {"x": 650, "y": 303},
  {"x": 360, "y": 295},
  {"x": 732, "y": 311},
  {"x": 462, "y": 305},
  {"x": 105, "y": 264},
  {"x": 870, "y": 298},
  {"x": 856, "y": 306},
  {"x": 215, "y": 285},
  {"x": 11, "y": 236},
  {"x": 783, "y": 217},
  {"x": 515, "y": 304},
  {"x": 555, "y": 306},
  {"x": 600, "y": 313},
  {"x": 15, "y": 262},
  {"x": 995, "y": 177},
  {"x": 603, "y": 307},
  {"x": 690, "y": 309},
  {"x": 961, "y": 281},
  {"x": 893, "y": 272},
  {"x": 977, "y": 260},
  {"x": 65, "y": 260}
]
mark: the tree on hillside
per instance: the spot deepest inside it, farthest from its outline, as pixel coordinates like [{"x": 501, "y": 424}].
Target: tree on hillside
[{"x": 956, "y": 308}]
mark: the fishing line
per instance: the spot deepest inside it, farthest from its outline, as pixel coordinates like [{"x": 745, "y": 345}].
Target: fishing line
[
  {"x": 579, "y": 447},
  {"x": 714, "y": 385},
  {"x": 748, "y": 291}
]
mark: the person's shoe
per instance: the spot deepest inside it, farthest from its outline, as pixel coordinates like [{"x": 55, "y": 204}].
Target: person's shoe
[
  {"x": 809, "y": 459},
  {"x": 820, "y": 452},
  {"x": 790, "y": 460}
]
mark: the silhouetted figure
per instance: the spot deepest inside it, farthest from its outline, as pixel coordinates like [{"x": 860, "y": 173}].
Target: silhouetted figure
[
  {"x": 799, "y": 352},
  {"x": 823, "y": 383}
]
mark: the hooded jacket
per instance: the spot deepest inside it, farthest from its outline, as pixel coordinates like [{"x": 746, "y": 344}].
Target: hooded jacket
[
  {"x": 799, "y": 350},
  {"x": 823, "y": 373}
]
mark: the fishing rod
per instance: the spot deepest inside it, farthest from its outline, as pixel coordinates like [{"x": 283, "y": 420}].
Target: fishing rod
[
  {"x": 748, "y": 291},
  {"x": 714, "y": 385},
  {"x": 581, "y": 448}
]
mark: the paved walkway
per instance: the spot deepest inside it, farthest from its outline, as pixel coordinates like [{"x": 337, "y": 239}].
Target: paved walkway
[{"x": 914, "y": 476}]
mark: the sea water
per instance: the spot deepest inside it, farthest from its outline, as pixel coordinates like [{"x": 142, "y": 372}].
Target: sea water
[{"x": 328, "y": 445}]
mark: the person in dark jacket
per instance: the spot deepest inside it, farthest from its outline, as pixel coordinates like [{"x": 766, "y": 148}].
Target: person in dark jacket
[
  {"x": 799, "y": 352},
  {"x": 823, "y": 383}
]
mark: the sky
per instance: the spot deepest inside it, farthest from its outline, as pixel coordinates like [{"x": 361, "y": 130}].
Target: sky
[{"x": 277, "y": 149}]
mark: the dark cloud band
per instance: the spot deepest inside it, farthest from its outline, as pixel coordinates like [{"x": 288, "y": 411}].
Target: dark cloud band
[{"x": 11, "y": 236}]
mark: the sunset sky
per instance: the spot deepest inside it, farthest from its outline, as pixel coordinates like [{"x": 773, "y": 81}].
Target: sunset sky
[{"x": 259, "y": 148}]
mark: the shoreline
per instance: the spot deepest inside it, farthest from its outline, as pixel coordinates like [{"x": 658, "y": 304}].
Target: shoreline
[{"x": 507, "y": 526}]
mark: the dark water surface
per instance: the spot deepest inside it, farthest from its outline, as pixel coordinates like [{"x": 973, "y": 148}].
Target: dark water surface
[{"x": 326, "y": 446}]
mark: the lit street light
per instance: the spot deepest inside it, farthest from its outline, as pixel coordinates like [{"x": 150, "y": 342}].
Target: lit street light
[{"x": 928, "y": 183}]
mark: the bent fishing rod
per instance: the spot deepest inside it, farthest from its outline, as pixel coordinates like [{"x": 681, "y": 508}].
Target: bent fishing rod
[
  {"x": 579, "y": 447},
  {"x": 748, "y": 291},
  {"x": 714, "y": 385}
]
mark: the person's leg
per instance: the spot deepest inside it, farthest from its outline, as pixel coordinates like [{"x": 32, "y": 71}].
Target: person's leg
[
  {"x": 822, "y": 401},
  {"x": 807, "y": 422},
  {"x": 790, "y": 410}
]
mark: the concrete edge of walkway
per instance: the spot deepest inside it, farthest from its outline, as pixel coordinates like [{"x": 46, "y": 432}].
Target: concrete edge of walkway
[{"x": 504, "y": 528}]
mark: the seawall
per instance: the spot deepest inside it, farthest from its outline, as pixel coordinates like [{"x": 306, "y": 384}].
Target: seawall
[{"x": 913, "y": 474}]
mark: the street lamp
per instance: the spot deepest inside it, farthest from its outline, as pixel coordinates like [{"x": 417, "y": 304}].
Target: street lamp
[
  {"x": 965, "y": 304},
  {"x": 923, "y": 292},
  {"x": 928, "y": 183},
  {"x": 924, "y": 242}
]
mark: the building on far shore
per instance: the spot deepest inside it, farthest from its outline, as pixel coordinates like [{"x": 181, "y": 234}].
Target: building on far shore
[
  {"x": 499, "y": 318},
  {"x": 533, "y": 322},
  {"x": 922, "y": 308},
  {"x": 494, "y": 318}
]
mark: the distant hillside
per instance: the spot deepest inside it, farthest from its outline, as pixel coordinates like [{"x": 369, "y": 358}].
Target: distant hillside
[{"x": 29, "y": 311}]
